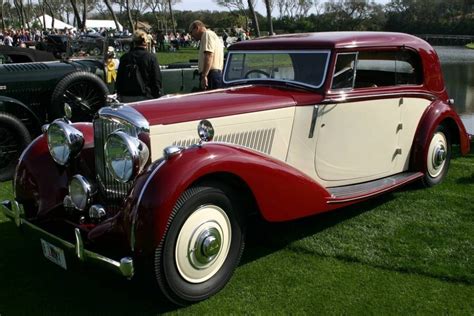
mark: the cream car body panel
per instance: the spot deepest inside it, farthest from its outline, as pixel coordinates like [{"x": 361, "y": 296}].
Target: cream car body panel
[
  {"x": 266, "y": 131},
  {"x": 348, "y": 133}
]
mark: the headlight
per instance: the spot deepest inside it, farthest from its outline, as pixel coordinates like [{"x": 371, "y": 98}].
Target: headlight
[
  {"x": 125, "y": 156},
  {"x": 64, "y": 141},
  {"x": 80, "y": 191}
]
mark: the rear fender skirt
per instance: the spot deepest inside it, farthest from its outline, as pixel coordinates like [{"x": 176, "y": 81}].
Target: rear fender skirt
[
  {"x": 434, "y": 115},
  {"x": 40, "y": 180},
  {"x": 9, "y": 104},
  {"x": 282, "y": 192}
]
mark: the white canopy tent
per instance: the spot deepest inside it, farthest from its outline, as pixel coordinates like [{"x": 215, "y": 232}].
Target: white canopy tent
[
  {"x": 58, "y": 24},
  {"x": 107, "y": 24}
]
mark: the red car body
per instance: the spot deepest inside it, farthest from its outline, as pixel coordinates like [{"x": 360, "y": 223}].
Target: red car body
[{"x": 140, "y": 226}]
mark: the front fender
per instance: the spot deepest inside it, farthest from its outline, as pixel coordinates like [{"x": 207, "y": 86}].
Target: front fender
[
  {"x": 11, "y": 105},
  {"x": 40, "y": 181},
  {"x": 437, "y": 113},
  {"x": 281, "y": 191}
]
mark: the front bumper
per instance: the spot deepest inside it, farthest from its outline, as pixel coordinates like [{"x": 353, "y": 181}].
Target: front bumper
[{"x": 125, "y": 267}]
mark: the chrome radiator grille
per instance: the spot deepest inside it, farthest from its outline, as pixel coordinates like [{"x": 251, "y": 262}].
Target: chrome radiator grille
[{"x": 112, "y": 190}]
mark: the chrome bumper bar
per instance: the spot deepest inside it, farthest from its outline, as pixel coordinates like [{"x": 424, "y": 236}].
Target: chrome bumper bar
[{"x": 14, "y": 211}]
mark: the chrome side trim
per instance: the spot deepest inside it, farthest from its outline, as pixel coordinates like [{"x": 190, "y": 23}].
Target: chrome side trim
[
  {"x": 360, "y": 191},
  {"x": 344, "y": 97},
  {"x": 14, "y": 210},
  {"x": 135, "y": 208}
]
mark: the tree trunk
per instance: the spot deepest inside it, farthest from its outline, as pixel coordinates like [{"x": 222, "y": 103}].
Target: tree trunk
[
  {"x": 254, "y": 18},
  {"x": 51, "y": 12},
  {"x": 43, "y": 9},
  {"x": 84, "y": 15},
  {"x": 18, "y": 12},
  {"x": 109, "y": 6},
  {"x": 129, "y": 15},
  {"x": 77, "y": 17},
  {"x": 269, "y": 17},
  {"x": 3, "y": 16},
  {"x": 172, "y": 17}
]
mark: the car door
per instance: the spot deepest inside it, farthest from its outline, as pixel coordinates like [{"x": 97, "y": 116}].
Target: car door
[{"x": 357, "y": 138}]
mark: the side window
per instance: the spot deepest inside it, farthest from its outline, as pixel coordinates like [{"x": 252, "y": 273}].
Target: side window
[
  {"x": 344, "y": 72},
  {"x": 390, "y": 68}
]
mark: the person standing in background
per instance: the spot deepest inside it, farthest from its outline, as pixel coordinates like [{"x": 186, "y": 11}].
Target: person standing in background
[
  {"x": 211, "y": 55},
  {"x": 139, "y": 75}
]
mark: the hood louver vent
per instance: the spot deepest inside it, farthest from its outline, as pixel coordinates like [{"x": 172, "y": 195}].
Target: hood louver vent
[
  {"x": 26, "y": 67},
  {"x": 259, "y": 140}
]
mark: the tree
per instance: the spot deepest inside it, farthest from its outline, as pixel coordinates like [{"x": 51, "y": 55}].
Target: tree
[
  {"x": 268, "y": 7},
  {"x": 76, "y": 14},
  {"x": 129, "y": 16},
  {"x": 254, "y": 17},
  {"x": 172, "y": 17},
  {"x": 2, "y": 12},
  {"x": 112, "y": 12}
]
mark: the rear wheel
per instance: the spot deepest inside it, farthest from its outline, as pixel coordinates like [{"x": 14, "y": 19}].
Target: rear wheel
[
  {"x": 202, "y": 246},
  {"x": 14, "y": 137},
  {"x": 438, "y": 157}
]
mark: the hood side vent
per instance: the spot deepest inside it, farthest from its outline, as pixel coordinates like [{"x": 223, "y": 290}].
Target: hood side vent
[
  {"x": 26, "y": 67},
  {"x": 259, "y": 140}
]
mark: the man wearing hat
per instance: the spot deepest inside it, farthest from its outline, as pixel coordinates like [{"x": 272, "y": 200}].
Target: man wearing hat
[
  {"x": 211, "y": 55},
  {"x": 139, "y": 76}
]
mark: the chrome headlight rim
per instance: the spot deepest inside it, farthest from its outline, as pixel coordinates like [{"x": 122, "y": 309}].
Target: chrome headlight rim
[
  {"x": 73, "y": 141},
  {"x": 138, "y": 151},
  {"x": 87, "y": 191}
]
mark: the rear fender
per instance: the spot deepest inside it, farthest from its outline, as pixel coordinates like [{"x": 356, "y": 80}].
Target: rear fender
[
  {"x": 41, "y": 182},
  {"x": 280, "y": 191},
  {"x": 437, "y": 113}
]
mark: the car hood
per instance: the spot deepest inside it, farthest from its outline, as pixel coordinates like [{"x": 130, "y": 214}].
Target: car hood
[{"x": 222, "y": 102}]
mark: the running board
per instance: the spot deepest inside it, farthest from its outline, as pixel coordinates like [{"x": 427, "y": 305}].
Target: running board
[{"x": 364, "y": 190}]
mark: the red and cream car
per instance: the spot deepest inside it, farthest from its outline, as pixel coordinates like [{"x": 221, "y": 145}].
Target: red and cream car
[{"x": 307, "y": 123}]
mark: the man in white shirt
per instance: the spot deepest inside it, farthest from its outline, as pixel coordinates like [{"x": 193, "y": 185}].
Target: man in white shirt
[{"x": 211, "y": 55}]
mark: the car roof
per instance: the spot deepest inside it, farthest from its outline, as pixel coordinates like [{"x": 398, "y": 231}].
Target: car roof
[{"x": 332, "y": 40}]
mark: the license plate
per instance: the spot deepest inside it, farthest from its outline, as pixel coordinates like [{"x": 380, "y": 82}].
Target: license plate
[{"x": 54, "y": 254}]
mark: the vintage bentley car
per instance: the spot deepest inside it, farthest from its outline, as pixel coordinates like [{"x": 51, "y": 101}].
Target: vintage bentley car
[
  {"x": 33, "y": 90},
  {"x": 308, "y": 123}
]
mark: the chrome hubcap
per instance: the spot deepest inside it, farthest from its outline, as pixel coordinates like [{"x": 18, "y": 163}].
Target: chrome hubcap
[
  {"x": 439, "y": 156},
  {"x": 207, "y": 246}
]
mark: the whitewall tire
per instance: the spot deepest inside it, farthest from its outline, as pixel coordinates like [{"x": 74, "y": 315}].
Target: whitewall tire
[
  {"x": 438, "y": 157},
  {"x": 202, "y": 245}
]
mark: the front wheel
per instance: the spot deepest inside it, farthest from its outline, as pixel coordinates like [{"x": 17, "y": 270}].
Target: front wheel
[
  {"x": 438, "y": 157},
  {"x": 202, "y": 246}
]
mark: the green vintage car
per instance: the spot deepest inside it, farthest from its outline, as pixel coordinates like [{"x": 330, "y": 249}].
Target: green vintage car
[{"x": 33, "y": 93}]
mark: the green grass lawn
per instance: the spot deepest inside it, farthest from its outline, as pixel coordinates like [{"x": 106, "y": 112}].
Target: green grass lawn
[
  {"x": 183, "y": 55},
  {"x": 406, "y": 252},
  {"x": 470, "y": 45}
]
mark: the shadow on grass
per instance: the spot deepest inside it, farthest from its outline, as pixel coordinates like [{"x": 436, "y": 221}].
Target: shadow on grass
[
  {"x": 264, "y": 238},
  {"x": 466, "y": 180}
]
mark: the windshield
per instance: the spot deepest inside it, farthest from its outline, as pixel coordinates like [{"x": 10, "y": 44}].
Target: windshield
[{"x": 302, "y": 67}]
